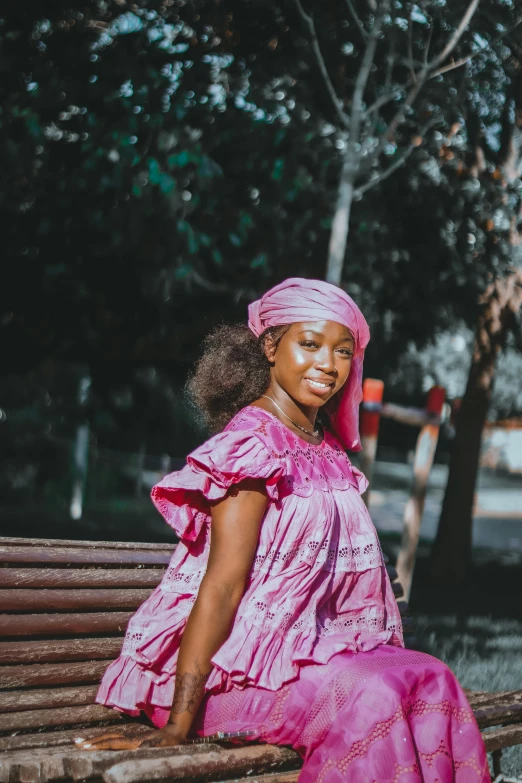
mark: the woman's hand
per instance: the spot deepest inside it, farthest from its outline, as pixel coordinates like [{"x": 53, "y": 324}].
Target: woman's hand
[{"x": 168, "y": 736}]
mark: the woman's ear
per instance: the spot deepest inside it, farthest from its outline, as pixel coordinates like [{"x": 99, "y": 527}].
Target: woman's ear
[{"x": 269, "y": 348}]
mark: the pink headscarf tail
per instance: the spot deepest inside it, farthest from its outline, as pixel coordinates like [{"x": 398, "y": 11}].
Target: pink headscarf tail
[
  {"x": 254, "y": 320},
  {"x": 298, "y": 300}
]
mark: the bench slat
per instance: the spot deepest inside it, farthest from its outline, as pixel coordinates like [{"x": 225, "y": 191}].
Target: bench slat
[
  {"x": 67, "y": 763},
  {"x": 483, "y": 699},
  {"x": 275, "y": 777},
  {"x": 229, "y": 762},
  {"x": 398, "y": 592},
  {"x": 66, "y": 716},
  {"x": 52, "y": 674},
  {"x": 496, "y": 739},
  {"x": 58, "y": 542},
  {"x": 19, "y": 701},
  {"x": 60, "y": 650},
  {"x": 39, "y": 554},
  {"x": 59, "y": 739},
  {"x": 499, "y": 714},
  {"x": 76, "y": 577},
  {"x": 70, "y": 624},
  {"x": 80, "y": 599}
]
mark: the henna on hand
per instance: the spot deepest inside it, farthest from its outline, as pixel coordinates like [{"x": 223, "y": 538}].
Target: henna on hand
[{"x": 189, "y": 690}]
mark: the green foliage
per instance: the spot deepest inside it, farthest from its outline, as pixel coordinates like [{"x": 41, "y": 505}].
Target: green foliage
[{"x": 162, "y": 165}]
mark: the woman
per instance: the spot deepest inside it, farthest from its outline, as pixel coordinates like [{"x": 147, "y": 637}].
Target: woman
[{"x": 276, "y": 617}]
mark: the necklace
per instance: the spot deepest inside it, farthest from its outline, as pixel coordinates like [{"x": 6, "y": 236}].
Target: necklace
[{"x": 313, "y": 434}]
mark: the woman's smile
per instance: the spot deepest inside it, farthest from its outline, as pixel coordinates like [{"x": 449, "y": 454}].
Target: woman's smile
[{"x": 321, "y": 388}]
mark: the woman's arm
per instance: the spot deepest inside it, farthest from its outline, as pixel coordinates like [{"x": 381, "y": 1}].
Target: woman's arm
[
  {"x": 236, "y": 521},
  {"x": 234, "y": 535}
]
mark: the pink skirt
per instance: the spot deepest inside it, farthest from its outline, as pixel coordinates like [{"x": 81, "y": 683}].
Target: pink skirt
[{"x": 388, "y": 716}]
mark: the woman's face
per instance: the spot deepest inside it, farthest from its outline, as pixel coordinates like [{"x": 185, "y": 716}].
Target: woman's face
[{"x": 312, "y": 361}]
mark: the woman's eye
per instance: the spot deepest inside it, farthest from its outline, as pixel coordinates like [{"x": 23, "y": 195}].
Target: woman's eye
[
  {"x": 308, "y": 343},
  {"x": 346, "y": 352}
]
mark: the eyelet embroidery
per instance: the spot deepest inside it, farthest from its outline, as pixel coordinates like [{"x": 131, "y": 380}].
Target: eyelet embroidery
[
  {"x": 341, "y": 558},
  {"x": 279, "y": 620},
  {"x": 309, "y": 467}
]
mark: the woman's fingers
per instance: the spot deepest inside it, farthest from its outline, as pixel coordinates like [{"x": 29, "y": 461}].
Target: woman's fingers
[
  {"x": 107, "y": 735},
  {"x": 117, "y": 741},
  {"x": 111, "y": 742}
]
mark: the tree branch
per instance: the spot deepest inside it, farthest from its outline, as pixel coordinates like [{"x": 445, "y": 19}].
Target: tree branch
[
  {"x": 422, "y": 76},
  {"x": 309, "y": 22},
  {"x": 455, "y": 64},
  {"x": 374, "y": 181},
  {"x": 428, "y": 44},
  {"x": 457, "y": 35},
  {"x": 410, "y": 48},
  {"x": 357, "y": 112},
  {"x": 401, "y": 159},
  {"x": 381, "y": 101},
  {"x": 358, "y": 23}
]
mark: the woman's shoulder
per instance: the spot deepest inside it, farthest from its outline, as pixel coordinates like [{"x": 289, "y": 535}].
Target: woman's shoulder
[
  {"x": 251, "y": 419},
  {"x": 243, "y": 441}
]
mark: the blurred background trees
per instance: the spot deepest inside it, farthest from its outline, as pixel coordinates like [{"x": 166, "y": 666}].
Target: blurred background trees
[{"x": 164, "y": 161}]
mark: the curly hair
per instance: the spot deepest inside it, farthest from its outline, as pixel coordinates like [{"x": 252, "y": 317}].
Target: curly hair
[{"x": 233, "y": 371}]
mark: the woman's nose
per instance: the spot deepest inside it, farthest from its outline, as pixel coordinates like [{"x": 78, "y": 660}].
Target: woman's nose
[{"x": 325, "y": 361}]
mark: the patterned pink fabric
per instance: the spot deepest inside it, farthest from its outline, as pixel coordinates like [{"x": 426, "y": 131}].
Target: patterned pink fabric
[
  {"x": 298, "y": 300},
  {"x": 318, "y": 583},
  {"x": 384, "y": 716},
  {"x": 315, "y": 657}
]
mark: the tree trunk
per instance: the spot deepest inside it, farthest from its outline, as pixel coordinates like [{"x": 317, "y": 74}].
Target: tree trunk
[
  {"x": 341, "y": 222},
  {"x": 451, "y": 554}
]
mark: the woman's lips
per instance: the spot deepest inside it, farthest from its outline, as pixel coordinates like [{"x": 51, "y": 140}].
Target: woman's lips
[{"x": 319, "y": 387}]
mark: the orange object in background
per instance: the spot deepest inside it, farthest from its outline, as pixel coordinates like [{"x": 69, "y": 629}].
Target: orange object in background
[{"x": 373, "y": 391}]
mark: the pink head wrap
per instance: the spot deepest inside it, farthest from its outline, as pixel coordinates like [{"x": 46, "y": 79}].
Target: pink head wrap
[{"x": 297, "y": 300}]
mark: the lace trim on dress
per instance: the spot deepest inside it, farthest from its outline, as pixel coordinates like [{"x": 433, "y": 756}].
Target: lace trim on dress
[
  {"x": 136, "y": 633},
  {"x": 342, "y": 558},
  {"x": 310, "y": 467},
  {"x": 176, "y": 581},
  {"x": 279, "y": 620}
]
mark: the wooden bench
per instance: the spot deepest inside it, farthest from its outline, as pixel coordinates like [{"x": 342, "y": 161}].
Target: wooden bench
[{"x": 64, "y": 607}]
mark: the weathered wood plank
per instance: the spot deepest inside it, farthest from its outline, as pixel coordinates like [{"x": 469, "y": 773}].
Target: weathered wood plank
[
  {"x": 80, "y": 577},
  {"x": 84, "y": 599},
  {"x": 404, "y": 609},
  {"x": 277, "y": 777},
  {"x": 74, "y": 555},
  {"x": 58, "y": 739},
  {"x": 65, "y": 716},
  {"x": 53, "y": 624},
  {"x": 47, "y": 698},
  {"x": 398, "y": 592},
  {"x": 228, "y": 762},
  {"x": 50, "y": 543},
  {"x": 60, "y": 650},
  {"x": 482, "y": 698},
  {"x": 51, "y": 674},
  {"x": 502, "y": 738},
  {"x": 70, "y": 763},
  {"x": 498, "y": 714}
]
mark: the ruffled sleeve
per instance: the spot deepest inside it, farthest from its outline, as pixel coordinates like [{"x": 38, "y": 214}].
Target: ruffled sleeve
[{"x": 184, "y": 497}]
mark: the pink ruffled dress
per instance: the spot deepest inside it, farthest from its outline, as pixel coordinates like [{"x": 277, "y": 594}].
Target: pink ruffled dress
[{"x": 318, "y": 601}]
